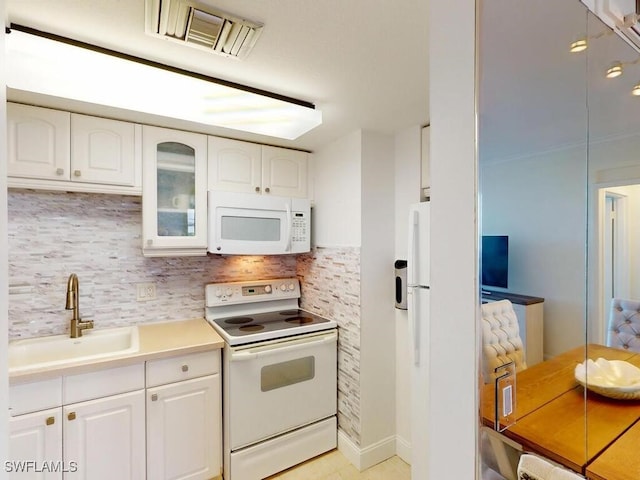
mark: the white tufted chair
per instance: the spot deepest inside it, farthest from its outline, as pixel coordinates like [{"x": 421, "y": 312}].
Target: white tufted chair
[
  {"x": 624, "y": 324},
  {"x": 532, "y": 467},
  {"x": 501, "y": 342}
]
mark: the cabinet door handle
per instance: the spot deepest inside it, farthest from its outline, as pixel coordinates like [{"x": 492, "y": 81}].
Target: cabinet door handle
[
  {"x": 72, "y": 416},
  {"x": 154, "y": 397},
  {"x": 77, "y": 173},
  {"x": 50, "y": 420},
  {"x": 185, "y": 368},
  {"x": 258, "y": 189},
  {"x": 59, "y": 171},
  {"x": 267, "y": 190}
]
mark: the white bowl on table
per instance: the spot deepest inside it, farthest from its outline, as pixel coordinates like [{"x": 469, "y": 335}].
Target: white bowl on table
[{"x": 610, "y": 378}]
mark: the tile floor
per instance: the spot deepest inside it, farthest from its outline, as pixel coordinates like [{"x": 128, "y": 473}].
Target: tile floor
[{"x": 334, "y": 466}]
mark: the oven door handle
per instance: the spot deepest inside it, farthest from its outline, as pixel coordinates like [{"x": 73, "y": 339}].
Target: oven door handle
[{"x": 276, "y": 348}]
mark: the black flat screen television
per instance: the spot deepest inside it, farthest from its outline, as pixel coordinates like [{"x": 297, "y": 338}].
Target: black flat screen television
[{"x": 495, "y": 261}]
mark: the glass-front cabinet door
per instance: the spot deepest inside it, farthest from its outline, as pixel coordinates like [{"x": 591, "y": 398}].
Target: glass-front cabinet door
[{"x": 174, "y": 198}]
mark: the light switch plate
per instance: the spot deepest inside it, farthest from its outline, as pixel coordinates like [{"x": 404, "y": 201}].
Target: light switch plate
[{"x": 505, "y": 396}]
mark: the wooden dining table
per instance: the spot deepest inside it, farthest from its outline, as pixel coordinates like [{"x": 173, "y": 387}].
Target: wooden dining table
[{"x": 557, "y": 418}]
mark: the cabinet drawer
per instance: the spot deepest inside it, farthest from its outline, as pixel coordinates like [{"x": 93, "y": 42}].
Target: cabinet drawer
[
  {"x": 34, "y": 396},
  {"x": 87, "y": 386},
  {"x": 184, "y": 367}
]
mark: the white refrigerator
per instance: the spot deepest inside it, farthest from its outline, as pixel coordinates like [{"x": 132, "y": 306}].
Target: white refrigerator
[{"x": 418, "y": 313}]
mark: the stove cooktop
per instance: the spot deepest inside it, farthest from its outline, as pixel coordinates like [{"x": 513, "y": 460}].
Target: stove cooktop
[
  {"x": 258, "y": 310},
  {"x": 286, "y": 322}
]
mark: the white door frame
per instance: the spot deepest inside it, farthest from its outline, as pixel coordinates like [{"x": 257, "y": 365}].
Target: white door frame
[
  {"x": 621, "y": 263},
  {"x": 615, "y": 249}
]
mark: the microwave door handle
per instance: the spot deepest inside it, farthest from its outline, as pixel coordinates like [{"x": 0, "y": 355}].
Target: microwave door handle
[{"x": 288, "y": 246}]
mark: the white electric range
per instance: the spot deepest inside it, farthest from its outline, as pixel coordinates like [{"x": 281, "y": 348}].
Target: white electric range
[{"x": 279, "y": 376}]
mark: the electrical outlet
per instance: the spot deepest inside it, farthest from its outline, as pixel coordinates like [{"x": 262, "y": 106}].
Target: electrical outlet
[{"x": 145, "y": 291}]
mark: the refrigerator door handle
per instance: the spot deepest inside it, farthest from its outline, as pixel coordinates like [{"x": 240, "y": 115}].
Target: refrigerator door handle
[
  {"x": 414, "y": 325},
  {"x": 414, "y": 321},
  {"x": 413, "y": 251}
]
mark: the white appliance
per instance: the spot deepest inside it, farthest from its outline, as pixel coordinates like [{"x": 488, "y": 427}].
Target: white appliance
[
  {"x": 250, "y": 224},
  {"x": 279, "y": 377},
  {"x": 418, "y": 311}
]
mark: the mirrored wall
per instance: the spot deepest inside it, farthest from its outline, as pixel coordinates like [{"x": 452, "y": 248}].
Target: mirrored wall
[{"x": 559, "y": 209}]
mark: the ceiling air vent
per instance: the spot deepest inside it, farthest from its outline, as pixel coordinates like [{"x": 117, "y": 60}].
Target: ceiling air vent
[{"x": 201, "y": 26}]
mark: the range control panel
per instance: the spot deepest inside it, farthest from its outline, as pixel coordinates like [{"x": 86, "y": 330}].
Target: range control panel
[{"x": 252, "y": 291}]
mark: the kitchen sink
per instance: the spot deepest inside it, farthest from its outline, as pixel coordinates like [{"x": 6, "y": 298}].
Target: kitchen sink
[{"x": 58, "y": 350}]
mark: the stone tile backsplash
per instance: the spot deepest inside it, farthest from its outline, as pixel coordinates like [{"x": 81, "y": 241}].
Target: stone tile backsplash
[
  {"x": 330, "y": 280},
  {"x": 98, "y": 237}
]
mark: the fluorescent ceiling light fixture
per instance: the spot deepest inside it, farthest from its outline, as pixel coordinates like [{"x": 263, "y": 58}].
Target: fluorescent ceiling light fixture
[{"x": 52, "y": 66}]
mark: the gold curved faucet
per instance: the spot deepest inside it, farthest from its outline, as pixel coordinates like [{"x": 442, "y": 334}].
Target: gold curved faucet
[{"x": 73, "y": 295}]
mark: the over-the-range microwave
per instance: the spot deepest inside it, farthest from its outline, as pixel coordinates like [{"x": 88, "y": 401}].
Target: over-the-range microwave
[{"x": 250, "y": 224}]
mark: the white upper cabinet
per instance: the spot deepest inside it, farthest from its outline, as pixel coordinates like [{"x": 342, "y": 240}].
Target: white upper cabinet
[
  {"x": 234, "y": 166},
  {"x": 56, "y": 150},
  {"x": 38, "y": 142},
  {"x": 174, "y": 198},
  {"x": 102, "y": 150},
  {"x": 237, "y": 166},
  {"x": 284, "y": 172}
]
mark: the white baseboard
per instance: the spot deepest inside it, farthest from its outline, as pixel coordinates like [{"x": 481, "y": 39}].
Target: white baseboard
[
  {"x": 403, "y": 449},
  {"x": 363, "y": 458},
  {"x": 349, "y": 449}
]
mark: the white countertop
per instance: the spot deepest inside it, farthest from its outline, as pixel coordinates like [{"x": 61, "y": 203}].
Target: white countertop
[{"x": 157, "y": 340}]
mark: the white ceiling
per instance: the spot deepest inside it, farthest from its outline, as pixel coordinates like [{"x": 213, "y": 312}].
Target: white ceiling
[{"x": 363, "y": 63}]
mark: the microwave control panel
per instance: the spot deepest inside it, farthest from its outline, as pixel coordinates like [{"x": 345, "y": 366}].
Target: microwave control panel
[{"x": 299, "y": 227}]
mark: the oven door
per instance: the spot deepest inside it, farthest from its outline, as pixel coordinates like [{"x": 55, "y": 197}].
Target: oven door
[{"x": 277, "y": 386}]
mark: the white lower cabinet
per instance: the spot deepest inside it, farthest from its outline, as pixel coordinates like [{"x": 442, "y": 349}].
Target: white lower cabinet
[
  {"x": 89, "y": 426},
  {"x": 106, "y": 425},
  {"x": 184, "y": 430},
  {"x": 105, "y": 438},
  {"x": 184, "y": 417},
  {"x": 35, "y": 444}
]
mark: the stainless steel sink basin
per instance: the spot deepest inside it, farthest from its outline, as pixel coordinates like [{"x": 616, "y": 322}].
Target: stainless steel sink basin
[{"x": 57, "y": 350}]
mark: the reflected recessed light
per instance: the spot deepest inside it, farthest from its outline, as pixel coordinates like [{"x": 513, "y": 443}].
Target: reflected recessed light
[
  {"x": 579, "y": 45},
  {"x": 614, "y": 70},
  {"x": 636, "y": 90}
]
